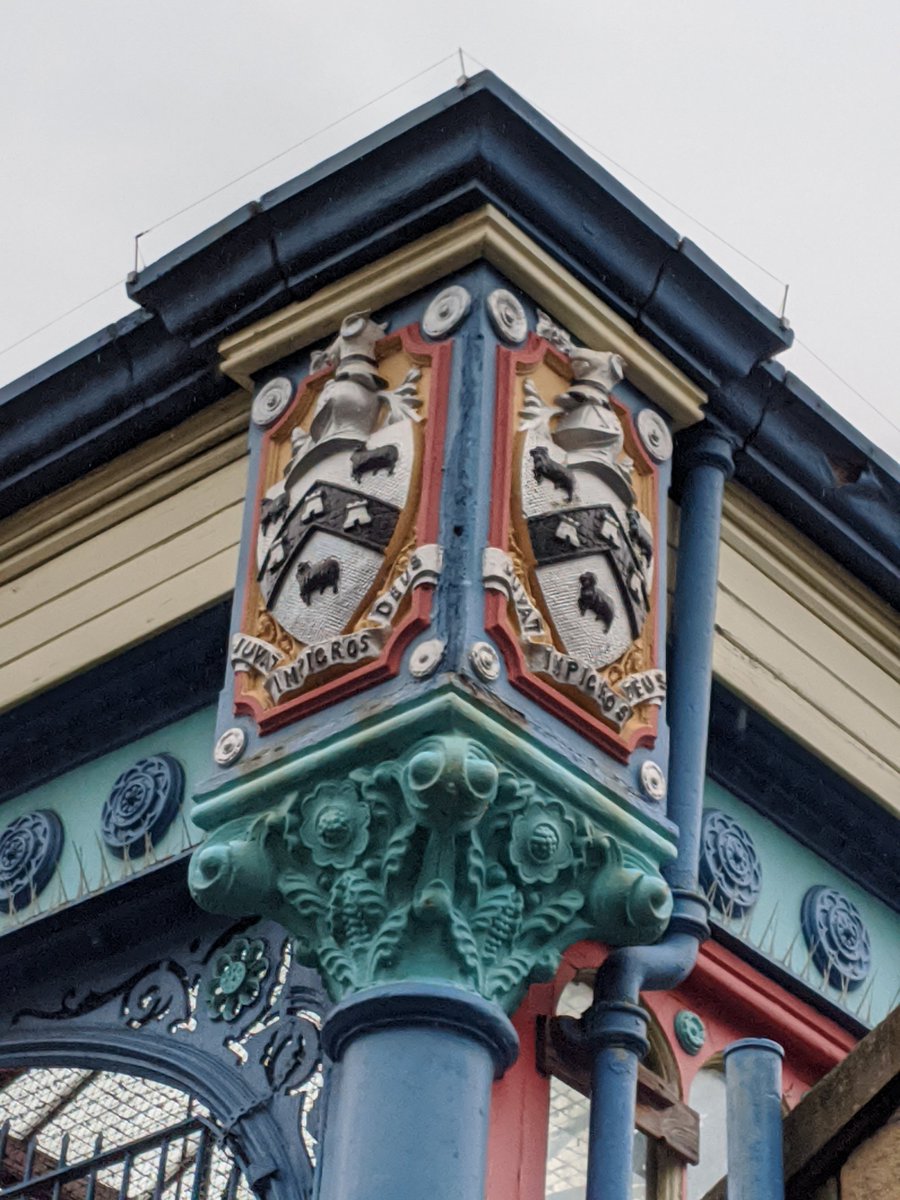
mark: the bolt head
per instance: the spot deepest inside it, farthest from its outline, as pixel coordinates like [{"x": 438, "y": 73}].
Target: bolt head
[
  {"x": 653, "y": 781},
  {"x": 485, "y": 662},
  {"x": 230, "y": 746}
]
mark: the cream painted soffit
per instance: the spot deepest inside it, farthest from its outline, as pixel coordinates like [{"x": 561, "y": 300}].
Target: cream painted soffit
[
  {"x": 485, "y": 234},
  {"x": 812, "y": 578}
]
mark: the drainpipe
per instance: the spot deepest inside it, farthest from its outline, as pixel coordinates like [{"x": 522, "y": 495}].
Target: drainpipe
[
  {"x": 615, "y": 1026},
  {"x": 753, "y": 1099}
]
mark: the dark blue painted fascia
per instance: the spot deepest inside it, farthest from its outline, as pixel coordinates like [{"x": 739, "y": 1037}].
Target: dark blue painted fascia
[
  {"x": 707, "y": 318},
  {"x": 762, "y": 766},
  {"x": 478, "y": 144},
  {"x": 469, "y": 147},
  {"x": 102, "y": 397},
  {"x": 819, "y": 472},
  {"x": 115, "y": 703}
]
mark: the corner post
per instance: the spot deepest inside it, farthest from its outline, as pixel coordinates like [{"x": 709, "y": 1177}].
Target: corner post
[{"x": 414, "y": 1068}]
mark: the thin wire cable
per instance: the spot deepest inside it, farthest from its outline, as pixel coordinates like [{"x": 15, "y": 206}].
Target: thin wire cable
[
  {"x": 596, "y": 149},
  {"x": 619, "y": 167},
  {"x": 847, "y": 384},
  {"x": 459, "y": 52},
  {"x": 61, "y": 317},
  {"x": 246, "y": 174},
  {"x": 303, "y": 141}
]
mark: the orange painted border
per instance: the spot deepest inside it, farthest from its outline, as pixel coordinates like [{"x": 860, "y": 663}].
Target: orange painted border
[
  {"x": 418, "y": 615},
  {"x": 496, "y": 616},
  {"x": 734, "y": 999}
]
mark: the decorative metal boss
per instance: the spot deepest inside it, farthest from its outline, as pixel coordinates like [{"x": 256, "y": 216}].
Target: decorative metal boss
[{"x": 142, "y": 805}]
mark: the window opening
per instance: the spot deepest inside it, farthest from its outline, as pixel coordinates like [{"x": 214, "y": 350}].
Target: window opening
[
  {"x": 78, "y": 1134},
  {"x": 665, "y": 1136},
  {"x": 708, "y": 1098}
]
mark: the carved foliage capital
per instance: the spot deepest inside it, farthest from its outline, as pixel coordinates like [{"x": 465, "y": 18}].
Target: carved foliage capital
[{"x": 444, "y": 863}]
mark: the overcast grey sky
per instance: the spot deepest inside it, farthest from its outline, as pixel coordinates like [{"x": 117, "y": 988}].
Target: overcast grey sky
[{"x": 772, "y": 122}]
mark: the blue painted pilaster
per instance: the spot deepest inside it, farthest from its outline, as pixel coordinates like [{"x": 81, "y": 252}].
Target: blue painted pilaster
[{"x": 410, "y": 1096}]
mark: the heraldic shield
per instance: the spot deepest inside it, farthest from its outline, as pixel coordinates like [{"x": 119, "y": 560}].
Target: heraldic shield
[
  {"x": 571, "y": 573},
  {"x": 345, "y": 524}
]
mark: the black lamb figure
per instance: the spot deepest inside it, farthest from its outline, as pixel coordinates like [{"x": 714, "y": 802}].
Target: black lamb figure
[
  {"x": 595, "y": 600},
  {"x": 318, "y": 577}
]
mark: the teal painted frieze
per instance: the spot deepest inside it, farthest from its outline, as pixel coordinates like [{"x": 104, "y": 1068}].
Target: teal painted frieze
[{"x": 440, "y": 846}]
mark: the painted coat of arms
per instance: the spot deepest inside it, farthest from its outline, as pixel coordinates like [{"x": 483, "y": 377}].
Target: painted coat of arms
[
  {"x": 571, "y": 572},
  {"x": 344, "y": 552}
]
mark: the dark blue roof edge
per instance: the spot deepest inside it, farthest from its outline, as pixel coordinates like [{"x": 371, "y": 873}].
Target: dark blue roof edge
[{"x": 91, "y": 388}]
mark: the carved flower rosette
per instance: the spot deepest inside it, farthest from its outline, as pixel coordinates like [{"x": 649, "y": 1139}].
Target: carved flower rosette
[
  {"x": 30, "y": 847},
  {"x": 576, "y": 544},
  {"x": 837, "y": 937},
  {"x": 342, "y": 555},
  {"x": 236, "y": 979}
]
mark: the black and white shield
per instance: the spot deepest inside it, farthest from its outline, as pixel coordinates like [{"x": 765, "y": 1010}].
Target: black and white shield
[
  {"x": 325, "y": 527},
  {"x": 592, "y": 548}
]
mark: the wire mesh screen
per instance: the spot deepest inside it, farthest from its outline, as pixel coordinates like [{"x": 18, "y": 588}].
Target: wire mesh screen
[
  {"x": 70, "y": 1134},
  {"x": 567, "y": 1149}
]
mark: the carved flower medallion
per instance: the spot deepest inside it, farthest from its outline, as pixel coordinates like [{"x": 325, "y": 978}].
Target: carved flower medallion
[
  {"x": 142, "y": 805},
  {"x": 30, "y": 847},
  {"x": 542, "y": 842},
  {"x": 335, "y": 825},
  {"x": 837, "y": 937},
  {"x": 237, "y": 977}
]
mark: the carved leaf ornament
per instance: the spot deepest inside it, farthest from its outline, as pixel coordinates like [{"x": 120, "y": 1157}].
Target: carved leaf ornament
[{"x": 440, "y": 863}]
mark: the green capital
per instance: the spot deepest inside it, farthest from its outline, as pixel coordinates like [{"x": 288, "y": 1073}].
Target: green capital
[{"x": 443, "y": 861}]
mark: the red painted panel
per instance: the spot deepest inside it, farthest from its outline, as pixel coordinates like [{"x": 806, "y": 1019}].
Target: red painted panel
[{"x": 734, "y": 999}]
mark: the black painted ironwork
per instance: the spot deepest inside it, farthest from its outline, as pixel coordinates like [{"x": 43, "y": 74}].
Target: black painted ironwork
[
  {"x": 257, "y": 1076},
  {"x": 182, "y": 1159}
]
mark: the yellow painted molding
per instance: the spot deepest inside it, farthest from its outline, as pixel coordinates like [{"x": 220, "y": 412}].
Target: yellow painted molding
[
  {"x": 795, "y": 712},
  {"x": 485, "y": 234},
  {"x": 136, "y": 480}
]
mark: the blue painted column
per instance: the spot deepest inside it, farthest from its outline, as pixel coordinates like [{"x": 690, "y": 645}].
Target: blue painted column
[
  {"x": 408, "y": 1110},
  {"x": 708, "y": 464},
  {"x": 753, "y": 1079}
]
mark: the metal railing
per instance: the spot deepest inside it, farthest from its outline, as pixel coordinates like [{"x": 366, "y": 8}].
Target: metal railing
[{"x": 182, "y": 1161}]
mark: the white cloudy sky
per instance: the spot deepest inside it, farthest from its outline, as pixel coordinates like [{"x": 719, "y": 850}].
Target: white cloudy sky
[{"x": 772, "y": 122}]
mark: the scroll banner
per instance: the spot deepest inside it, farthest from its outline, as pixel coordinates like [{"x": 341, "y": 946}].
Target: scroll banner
[
  {"x": 253, "y": 654},
  {"x": 617, "y": 706}
]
